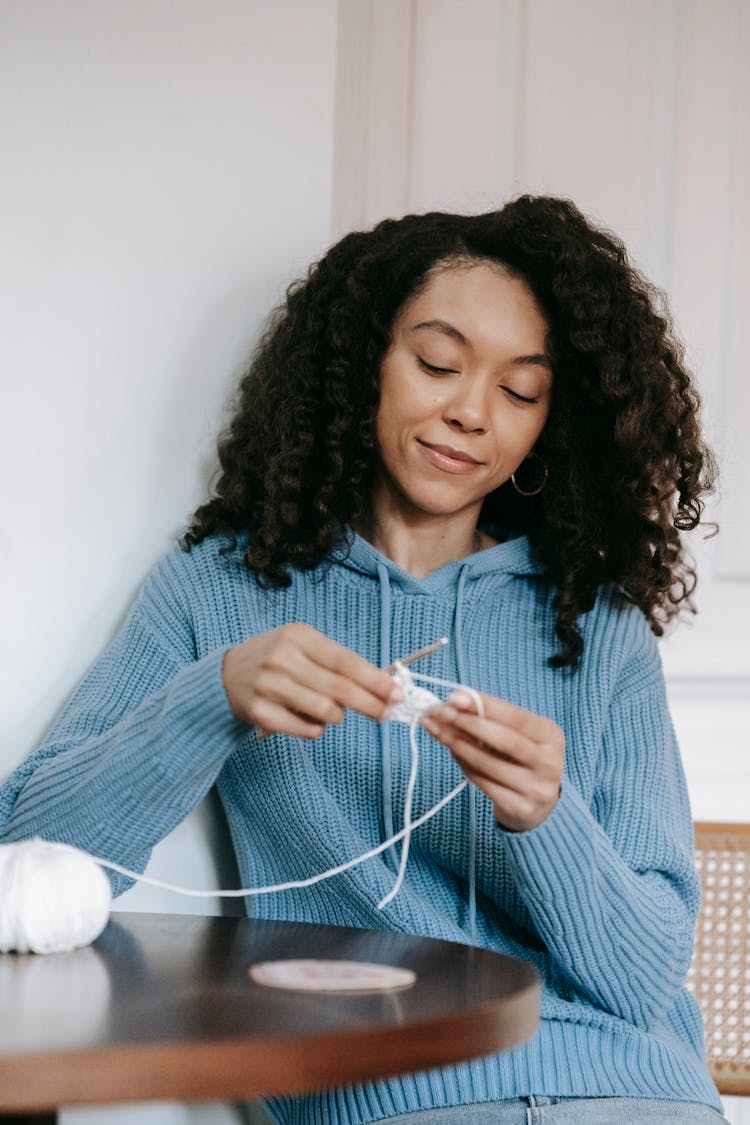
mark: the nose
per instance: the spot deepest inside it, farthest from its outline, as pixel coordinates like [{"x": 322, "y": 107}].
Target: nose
[{"x": 467, "y": 408}]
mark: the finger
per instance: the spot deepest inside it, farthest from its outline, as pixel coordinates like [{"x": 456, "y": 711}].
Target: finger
[
  {"x": 495, "y": 735},
  {"x": 484, "y": 764},
  {"x": 299, "y": 680},
  {"x": 513, "y": 811},
  {"x": 498, "y": 794},
  {"x": 301, "y": 698},
  {"x": 348, "y": 693},
  {"x": 536, "y": 727},
  {"x": 326, "y": 669},
  {"x": 347, "y": 664},
  {"x": 493, "y": 774},
  {"x": 272, "y": 718},
  {"x": 520, "y": 799}
]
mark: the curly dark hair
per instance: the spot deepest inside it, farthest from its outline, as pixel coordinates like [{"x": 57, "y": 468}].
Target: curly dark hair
[{"x": 622, "y": 443}]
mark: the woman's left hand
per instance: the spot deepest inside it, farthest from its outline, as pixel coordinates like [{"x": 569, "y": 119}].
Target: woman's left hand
[{"x": 513, "y": 755}]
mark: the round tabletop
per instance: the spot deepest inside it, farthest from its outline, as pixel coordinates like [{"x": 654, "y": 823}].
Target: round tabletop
[{"x": 163, "y": 1006}]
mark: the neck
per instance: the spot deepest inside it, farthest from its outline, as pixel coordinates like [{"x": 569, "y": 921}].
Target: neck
[{"x": 422, "y": 546}]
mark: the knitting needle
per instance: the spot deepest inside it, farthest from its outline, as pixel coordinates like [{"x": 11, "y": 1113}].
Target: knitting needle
[{"x": 412, "y": 658}]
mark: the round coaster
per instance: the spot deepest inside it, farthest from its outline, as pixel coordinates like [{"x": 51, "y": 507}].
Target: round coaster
[{"x": 331, "y": 976}]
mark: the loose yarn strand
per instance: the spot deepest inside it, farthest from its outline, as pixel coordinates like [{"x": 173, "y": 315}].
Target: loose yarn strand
[
  {"x": 245, "y": 892},
  {"x": 416, "y": 706},
  {"x": 408, "y": 826}
]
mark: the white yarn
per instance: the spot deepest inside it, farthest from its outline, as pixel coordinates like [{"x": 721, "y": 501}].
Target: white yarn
[
  {"x": 52, "y": 898},
  {"x": 293, "y": 884},
  {"x": 417, "y": 703}
]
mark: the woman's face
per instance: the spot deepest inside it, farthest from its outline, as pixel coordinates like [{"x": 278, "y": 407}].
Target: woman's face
[{"x": 464, "y": 392}]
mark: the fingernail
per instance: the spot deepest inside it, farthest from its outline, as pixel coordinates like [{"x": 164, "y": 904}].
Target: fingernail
[
  {"x": 461, "y": 699},
  {"x": 397, "y": 695}
]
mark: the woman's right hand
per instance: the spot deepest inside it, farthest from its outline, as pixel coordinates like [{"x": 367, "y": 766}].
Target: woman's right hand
[{"x": 296, "y": 680}]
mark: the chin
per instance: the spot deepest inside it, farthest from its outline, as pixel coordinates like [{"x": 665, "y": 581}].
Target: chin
[{"x": 438, "y": 507}]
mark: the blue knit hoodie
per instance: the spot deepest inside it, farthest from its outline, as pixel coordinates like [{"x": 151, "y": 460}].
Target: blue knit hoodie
[{"x": 601, "y": 897}]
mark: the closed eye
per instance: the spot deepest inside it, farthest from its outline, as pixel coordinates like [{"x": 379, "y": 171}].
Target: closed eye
[
  {"x": 433, "y": 370},
  {"x": 521, "y": 398}
]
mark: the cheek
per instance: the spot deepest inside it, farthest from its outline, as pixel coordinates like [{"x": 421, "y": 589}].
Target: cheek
[
  {"x": 388, "y": 426},
  {"x": 516, "y": 432},
  {"x": 408, "y": 402},
  {"x": 403, "y": 410}
]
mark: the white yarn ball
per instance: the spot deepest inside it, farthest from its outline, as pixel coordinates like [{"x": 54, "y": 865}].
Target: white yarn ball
[{"x": 52, "y": 898}]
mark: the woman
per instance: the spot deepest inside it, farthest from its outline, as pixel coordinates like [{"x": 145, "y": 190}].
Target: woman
[{"x": 477, "y": 427}]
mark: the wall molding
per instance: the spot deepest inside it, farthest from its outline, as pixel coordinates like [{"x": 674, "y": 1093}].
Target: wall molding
[
  {"x": 374, "y": 112},
  {"x": 734, "y": 509},
  {"x": 695, "y": 683}
]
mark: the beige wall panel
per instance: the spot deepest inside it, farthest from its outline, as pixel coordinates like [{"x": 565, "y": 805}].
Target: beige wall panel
[{"x": 640, "y": 111}]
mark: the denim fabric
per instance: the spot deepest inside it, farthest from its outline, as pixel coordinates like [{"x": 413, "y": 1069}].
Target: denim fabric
[{"x": 568, "y": 1111}]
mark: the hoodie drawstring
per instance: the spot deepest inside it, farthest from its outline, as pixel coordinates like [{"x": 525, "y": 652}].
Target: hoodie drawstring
[
  {"x": 385, "y": 728},
  {"x": 458, "y": 626}
]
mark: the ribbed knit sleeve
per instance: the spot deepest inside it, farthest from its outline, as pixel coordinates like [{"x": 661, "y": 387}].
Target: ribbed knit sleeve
[
  {"x": 135, "y": 749},
  {"x": 611, "y": 887}
]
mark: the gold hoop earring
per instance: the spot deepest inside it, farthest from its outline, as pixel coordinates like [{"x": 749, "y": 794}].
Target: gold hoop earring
[{"x": 538, "y": 489}]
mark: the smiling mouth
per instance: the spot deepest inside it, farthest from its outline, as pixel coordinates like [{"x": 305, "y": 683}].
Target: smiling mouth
[{"x": 449, "y": 459}]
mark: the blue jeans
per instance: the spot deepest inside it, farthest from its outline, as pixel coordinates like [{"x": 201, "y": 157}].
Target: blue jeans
[{"x": 568, "y": 1111}]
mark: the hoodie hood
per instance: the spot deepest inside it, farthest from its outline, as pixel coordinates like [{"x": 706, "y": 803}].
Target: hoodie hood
[{"x": 506, "y": 560}]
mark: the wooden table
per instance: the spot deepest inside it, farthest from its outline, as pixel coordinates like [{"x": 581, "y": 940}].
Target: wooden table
[{"x": 162, "y": 1007}]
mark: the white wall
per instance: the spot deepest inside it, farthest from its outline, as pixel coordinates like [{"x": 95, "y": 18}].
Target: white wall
[{"x": 166, "y": 170}]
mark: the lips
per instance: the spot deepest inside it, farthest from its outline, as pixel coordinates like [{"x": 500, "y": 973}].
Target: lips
[
  {"x": 449, "y": 459},
  {"x": 454, "y": 454}
]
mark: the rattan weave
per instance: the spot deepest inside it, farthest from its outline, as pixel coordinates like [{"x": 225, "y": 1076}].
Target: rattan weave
[{"x": 719, "y": 975}]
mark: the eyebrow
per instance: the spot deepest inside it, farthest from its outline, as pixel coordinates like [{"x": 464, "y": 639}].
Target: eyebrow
[
  {"x": 533, "y": 361},
  {"x": 444, "y": 327},
  {"x": 537, "y": 360}
]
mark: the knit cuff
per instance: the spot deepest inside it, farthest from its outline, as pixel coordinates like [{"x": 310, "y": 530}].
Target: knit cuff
[
  {"x": 199, "y": 718},
  {"x": 545, "y": 857},
  {"x": 624, "y": 936}
]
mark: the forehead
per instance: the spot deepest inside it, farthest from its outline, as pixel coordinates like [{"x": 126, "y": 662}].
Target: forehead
[{"x": 485, "y": 303}]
